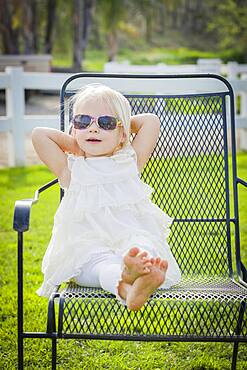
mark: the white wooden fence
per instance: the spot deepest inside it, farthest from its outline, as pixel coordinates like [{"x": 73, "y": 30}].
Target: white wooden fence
[
  {"x": 231, "y": 70},
  {"x": 30, "y": 62},
  {"x": 16, "y": 124}
]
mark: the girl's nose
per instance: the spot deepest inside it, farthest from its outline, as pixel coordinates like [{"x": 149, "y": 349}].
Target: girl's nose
[{"x": 93, "y": 126}]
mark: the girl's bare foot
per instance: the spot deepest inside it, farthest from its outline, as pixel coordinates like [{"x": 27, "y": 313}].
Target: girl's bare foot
[
  {"x": 136, "y": 264},
  {"x": 146, "y": 285}
]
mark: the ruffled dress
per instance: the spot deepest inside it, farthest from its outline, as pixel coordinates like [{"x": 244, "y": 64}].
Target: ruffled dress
[{"x": 106, "y": 207}]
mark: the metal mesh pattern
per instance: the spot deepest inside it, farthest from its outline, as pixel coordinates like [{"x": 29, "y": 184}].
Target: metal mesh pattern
[
  {"x": 187, "y": 170},
  {"x": 200, "y": 247},
  {"x": 189, "y": 173},
  {"x": 188, "y": 162},
  {"x": 197, "y": 306}
]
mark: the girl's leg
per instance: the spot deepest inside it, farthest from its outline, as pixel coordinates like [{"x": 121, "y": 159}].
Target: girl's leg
[
  {"x": 106, "y": 271},
  {"x": 110, "y": 278},
  {"x": 136, "y": 294},
  {"x": 116, "y": 278}
]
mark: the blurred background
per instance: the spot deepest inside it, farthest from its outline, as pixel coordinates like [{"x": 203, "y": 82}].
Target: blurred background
[
  {"x": 85, "y": 34},
  {"x": 132, "y": 36}
]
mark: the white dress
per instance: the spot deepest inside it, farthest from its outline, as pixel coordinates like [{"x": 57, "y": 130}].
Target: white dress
[{"x": 106, "y": 206}]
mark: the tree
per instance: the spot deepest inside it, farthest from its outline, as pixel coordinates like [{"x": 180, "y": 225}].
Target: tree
[
  {"x": 113, "y": 13},
  {"x": 51, "y": 21},
  {"x": 10, "y": 26},
  {"x": 229, "y": 22},
  {"x": 21, "y": 23},
  {"x": 29, "y": 28},
  {"x": 82, "y": 18}
]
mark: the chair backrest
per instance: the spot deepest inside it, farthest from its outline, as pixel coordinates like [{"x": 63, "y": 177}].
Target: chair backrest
[{"x": 189, "y": 167}]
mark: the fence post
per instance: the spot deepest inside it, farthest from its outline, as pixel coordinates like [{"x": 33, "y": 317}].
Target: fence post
[
  {"x": 15, "y": 110},
  {"x": 243, "y": 114},
  {"x": 232, "y": 70},
  {"x": 209, "y": 65}
]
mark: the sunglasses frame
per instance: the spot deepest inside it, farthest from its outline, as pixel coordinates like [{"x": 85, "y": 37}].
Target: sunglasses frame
[{"x": 95, "y": 119}]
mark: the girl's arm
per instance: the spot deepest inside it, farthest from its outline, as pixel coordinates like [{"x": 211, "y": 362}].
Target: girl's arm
[
  {"x": 51, "y": 145},
  {"x": 147, "y": 129}
]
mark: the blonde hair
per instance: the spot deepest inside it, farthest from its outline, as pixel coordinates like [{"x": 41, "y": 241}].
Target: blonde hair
[{"x": 104, "y": 94}]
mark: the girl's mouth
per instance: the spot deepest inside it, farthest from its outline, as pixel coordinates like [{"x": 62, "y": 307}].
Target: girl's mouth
[{"x": 93, "y": 141}]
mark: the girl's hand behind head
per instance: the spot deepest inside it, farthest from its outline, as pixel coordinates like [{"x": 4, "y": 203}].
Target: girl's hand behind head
[
  {"x": 73, "y": 146},
  {"x": 76, "y": 150}
]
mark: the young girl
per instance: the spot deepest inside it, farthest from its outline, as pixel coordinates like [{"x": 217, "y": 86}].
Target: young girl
[{"x": 107, "y": 232}]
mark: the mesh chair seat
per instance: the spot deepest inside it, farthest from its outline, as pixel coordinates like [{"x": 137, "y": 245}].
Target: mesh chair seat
[{"x": 201, "y": 306}]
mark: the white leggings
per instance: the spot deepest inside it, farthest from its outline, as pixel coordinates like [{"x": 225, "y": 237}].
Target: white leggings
[{"x": 104, "y": 270}]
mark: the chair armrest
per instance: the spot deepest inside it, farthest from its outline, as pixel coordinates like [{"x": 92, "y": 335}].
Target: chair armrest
[
  {"x": 51, "y": 318},
  {"x": 23, "y": 208},
  {"x": 242, "y": 266},
  {"x": 242, "y": 182},
  {"x": 244, "y": 271}
]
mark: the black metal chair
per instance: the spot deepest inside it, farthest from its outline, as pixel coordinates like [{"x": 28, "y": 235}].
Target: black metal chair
[{"x": 189, "y": 170}]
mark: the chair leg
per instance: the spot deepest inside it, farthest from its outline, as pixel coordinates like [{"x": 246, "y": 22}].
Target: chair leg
[
  {"x": 54, "y": 353},
  {"x": 235, "y": 356},
  {"x": 20, "y": 353},
  {"x": 238, "y": 329}
]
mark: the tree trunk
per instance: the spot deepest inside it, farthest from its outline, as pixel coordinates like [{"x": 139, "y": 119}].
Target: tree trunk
[
  {"x": 87, "y": 22},
  {"x": 112, "y": 45},
  {"x": 27, "y": 26},
  {"x": 10, "y": 35},
  {"x": 51, "y": 19},
  {"x": 148, "y": 28},
  {"x": 196, "y": 26},
  {"x": 96, "y": 34},
  {"x": 174, "y": 17},
  {"x": 35, "y": 27},
  {"x": 161, "y": 19},
  {"x": 77, "y": 37}
]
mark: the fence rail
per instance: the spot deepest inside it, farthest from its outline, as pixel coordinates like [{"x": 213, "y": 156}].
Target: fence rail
[
  {"x": 17, "y": 125},
  {"x": 231, "y": 70}
]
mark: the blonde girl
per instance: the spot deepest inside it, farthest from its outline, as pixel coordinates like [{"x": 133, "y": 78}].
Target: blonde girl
[{"x": 107, "y": 232}]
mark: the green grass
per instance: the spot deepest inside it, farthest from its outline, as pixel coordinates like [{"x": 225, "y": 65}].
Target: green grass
[
  {"x": 95, "y": 59},
  {"x": 21, "y": 183}
]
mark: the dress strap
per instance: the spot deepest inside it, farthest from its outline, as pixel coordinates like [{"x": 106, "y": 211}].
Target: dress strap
[
  {"x": 126, "y": 153},
  {"x": 71, "y": 158}
]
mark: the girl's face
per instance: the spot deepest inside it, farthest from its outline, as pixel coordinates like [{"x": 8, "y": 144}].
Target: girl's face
[{"x": 110, "y": 139}]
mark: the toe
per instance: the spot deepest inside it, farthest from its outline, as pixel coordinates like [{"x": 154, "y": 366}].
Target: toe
[
  {"x": 146, "y": 259},
  {"x": 142, "y": 254},
  {"x": 157, "y": 261},
  {"x": 164, "y": 265},
  {"x": 133, "y": 251}
]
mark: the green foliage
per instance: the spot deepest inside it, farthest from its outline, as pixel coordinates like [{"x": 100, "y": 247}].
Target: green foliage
[
  {"x": 231, "y": 26},
  {"x": 62, "y": 44},
  {"x": 95, "y": 58},
  {"x": 180, "y": 55},
  {"x": 134, "y": 25}
]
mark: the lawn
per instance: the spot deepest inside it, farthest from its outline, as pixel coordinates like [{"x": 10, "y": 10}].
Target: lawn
[
  {"x": 21, "y": 183},
  {"x": 95, "y": 58}
]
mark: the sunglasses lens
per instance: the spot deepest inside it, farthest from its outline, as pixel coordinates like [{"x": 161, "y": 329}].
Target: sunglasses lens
[
  {"x": 81, "y": 121},
  {"x": 107, "y": 122}
]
